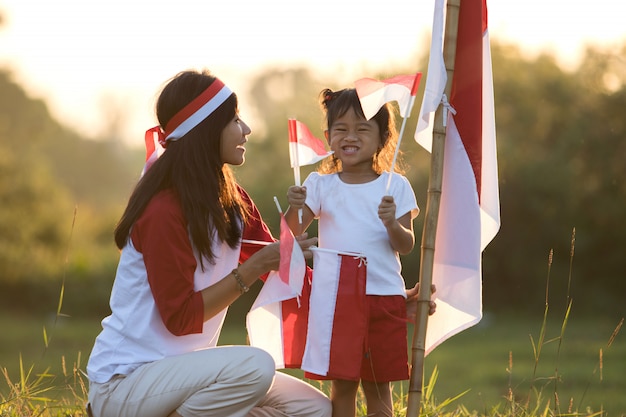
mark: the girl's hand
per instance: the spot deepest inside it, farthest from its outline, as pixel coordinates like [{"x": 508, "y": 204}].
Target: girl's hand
[
  {"x": 387, "y": 211},
  {"x": 305, "y": 243},
  {"x": 296, "y": 196}
]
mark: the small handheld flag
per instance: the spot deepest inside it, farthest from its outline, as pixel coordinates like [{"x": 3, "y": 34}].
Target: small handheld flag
[
  {"x": 373, "y": 94},
  {"x": 304, "y": 149},
  {"x": 292, "y": 264}
]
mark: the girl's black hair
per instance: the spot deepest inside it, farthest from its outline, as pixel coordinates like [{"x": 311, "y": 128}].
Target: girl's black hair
[{"x": 192, "y": 168}]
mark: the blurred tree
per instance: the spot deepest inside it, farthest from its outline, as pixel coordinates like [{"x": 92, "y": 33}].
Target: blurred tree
[
  {"x": 560, "y": 148},
  {"x": 560, "y": 136},
  {"x": 61, "y": 196},
  {"x": 31, "y": 233}
]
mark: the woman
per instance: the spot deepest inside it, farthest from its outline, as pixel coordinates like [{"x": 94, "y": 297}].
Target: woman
[{"x": 180, "y": 240}]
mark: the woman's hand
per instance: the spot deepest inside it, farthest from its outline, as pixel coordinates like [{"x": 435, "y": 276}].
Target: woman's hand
[{"x": 268, "y": 258}]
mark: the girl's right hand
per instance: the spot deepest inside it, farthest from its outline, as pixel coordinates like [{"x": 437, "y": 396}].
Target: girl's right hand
[{"x": 296, "y": 196}]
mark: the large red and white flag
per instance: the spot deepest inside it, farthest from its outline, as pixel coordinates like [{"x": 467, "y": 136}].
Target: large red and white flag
[
  {"x": 319, "y": 331},
  {"x": 469, "y": 213},
  {"x": 373, "y": 94},
  {"x": 304, "y": 148},
  {"x": 435, "y": 80}
]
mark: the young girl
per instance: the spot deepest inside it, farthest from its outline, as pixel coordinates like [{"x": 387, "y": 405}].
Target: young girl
[
  {"x": 357, "y": 214},
  {"x": 181, "y": 266}
]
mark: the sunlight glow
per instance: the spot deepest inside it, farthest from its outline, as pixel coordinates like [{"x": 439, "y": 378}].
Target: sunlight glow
[{"x": 75, "y": 54}]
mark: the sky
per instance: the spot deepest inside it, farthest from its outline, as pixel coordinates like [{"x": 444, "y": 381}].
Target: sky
[{"x": 78, "y": 55}]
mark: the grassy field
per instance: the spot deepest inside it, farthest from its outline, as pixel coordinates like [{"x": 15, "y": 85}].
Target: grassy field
[
  {"x": 498, "y": 355},
  {"x": 491, "y": 360}
]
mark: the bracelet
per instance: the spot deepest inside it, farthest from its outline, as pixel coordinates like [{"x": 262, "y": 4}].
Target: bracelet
[{"x": 242, "y": 287}]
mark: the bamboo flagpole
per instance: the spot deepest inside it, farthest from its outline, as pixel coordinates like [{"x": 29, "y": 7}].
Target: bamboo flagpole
[{"x": 429, "y": 233}]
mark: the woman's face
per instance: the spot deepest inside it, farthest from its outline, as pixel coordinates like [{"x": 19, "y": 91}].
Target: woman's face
[{"x": 232, "y": 141}]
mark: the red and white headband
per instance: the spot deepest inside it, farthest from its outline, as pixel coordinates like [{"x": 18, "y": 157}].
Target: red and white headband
[{"x": 186, "y": 119}]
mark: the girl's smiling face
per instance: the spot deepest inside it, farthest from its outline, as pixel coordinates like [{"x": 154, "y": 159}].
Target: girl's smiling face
[
  {"x": 233, "y": 139},
  {"x": 354, "y": 140}
]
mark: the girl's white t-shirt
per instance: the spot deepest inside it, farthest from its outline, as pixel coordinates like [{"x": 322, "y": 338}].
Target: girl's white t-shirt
[{"x": 348, "y": 221}]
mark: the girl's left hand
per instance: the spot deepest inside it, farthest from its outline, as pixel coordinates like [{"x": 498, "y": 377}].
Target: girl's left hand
[
  {"x": 387, "y": 211},
  {"x": 305, "y": 243}
]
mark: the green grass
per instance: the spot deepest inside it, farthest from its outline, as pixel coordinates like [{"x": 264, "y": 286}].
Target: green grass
[
  {"x": 497, "y": 355},
  {"x": 491, "y": 360},
  {"x": 70, "y": 337}
]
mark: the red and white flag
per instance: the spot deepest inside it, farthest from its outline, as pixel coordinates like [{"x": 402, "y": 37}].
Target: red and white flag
[
  {"x": 469, "y": 213},
  {"x": 277, "y": 321},
  {"x": 292, "y": 264},
  {"x": 435, "y": 81},
  {"x": 319, "y": 331},
  {"x": 373, "y": 94},
  {"x": 304, "y": 148},
  {"x": 338, "y": 316}
]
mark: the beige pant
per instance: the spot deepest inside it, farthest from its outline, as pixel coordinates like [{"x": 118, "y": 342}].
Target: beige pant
[{"x": 225, "y": 381}]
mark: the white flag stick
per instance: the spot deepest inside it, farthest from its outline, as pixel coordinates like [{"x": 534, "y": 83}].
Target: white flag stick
[
  {"x": 296, "y": 174},
  {"x": 315, "y": 248},
  {"x": 256, "y": 242},
  {"x": 280, "y": 210}
]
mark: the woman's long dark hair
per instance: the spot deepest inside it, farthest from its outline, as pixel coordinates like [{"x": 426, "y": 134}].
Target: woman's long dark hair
[{"x": 192, "y": 168}]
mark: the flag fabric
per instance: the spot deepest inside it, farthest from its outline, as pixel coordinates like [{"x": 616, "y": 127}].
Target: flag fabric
[
  {"x": 319, "y": 331},
  {"x": 373, "y": 94},
  {"x": 304, "y": 148},
  {"x": 277, "y": 321},
  {"x": 469, "y": 213},
  {"x": 337, "y": 315},
  {"x": 292, "y": 264},
  {"x": 435, "y": 80},
  {"x": 282, "y": 303}
]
